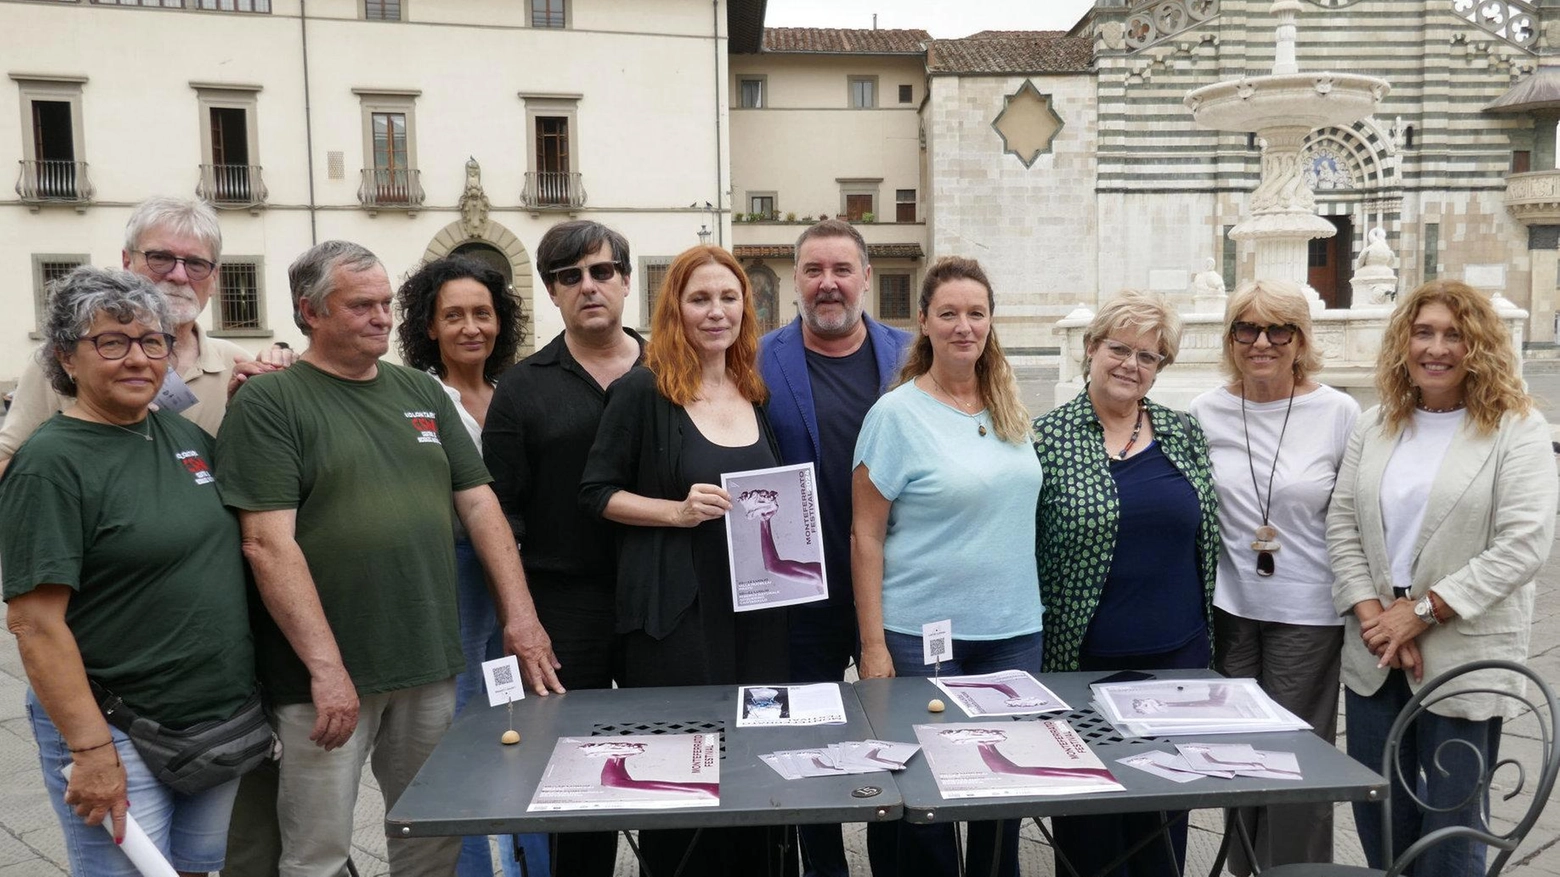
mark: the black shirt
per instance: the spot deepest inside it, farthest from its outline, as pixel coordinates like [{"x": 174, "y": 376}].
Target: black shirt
[
  {"x": 844, "y": 388},
  {"x": 540, "y": 426}
]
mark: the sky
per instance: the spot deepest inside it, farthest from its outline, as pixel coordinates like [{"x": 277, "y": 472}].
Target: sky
[{"x": 940, "y": 17}]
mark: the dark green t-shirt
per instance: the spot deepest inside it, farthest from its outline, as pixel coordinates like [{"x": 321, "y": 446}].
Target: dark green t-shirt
[
  {"x": 137, "y": 529},
  {"x": 370, "y": 467}
]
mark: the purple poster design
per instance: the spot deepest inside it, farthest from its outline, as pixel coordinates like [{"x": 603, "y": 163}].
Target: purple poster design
[{"x": 773, "y": 538}]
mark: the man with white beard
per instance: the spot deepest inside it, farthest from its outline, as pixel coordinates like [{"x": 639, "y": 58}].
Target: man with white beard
[{"x": 176, "y": 244}]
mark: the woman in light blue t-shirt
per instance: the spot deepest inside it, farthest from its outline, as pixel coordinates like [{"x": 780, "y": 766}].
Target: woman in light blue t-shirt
[{"x": 943, "y": 499}]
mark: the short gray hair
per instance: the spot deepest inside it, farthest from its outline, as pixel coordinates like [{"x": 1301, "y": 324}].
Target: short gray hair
[
  {"x": 312, "y": 276},
  {"x": 76, "y": 300},
  {"x": 179, "y": 215},
  {"x": 1141, "y": 312}
]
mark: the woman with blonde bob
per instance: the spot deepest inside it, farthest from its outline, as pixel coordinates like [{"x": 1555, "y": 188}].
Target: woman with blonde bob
[
  {"x": 1128, "y": 541},
  {"x": 1276, "y": 438},
  {"x": 670, "y": 428},
  {"x": 944, "y": 488},
  {"x": 1443, "y": 513}
]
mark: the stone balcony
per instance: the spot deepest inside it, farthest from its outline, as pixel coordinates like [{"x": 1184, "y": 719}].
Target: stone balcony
[{"x": 1534, "y": 198}]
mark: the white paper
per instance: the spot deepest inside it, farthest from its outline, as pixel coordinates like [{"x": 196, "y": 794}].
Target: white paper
[
  {"x": 1005, "y": 693},
  {"x": 773, "y": 706},
  {"x": 937, "y": 641},
  {"x": 1148, "y": 763},
  {"x": 1275, "y": 766},
  {"x": 774, "y": 538},
  {"x": 986, "y": 760},
  {"x": 1174, "y": 707},
  {"x": 139, "y": 849},
  {"x": 1219, "y": 757},
  {"x": 863, "y": 756},
  {"x": 645, "y": 772},
  {"x": 502, "y": 677},
  {"x": 175, "y": 395}
]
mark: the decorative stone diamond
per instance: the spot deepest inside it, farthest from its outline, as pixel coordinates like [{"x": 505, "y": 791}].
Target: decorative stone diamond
[{"x": 1027, "y": 123}]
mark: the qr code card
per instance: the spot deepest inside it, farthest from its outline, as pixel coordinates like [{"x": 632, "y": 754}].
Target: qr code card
[
  {"x": 504, "y": 684},
  {"x": 937, "y": 641}
]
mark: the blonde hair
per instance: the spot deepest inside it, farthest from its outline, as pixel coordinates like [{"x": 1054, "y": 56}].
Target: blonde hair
[
  {"x": 993, "y": 376},
  {"x": 1493, "y": 385},
  {"x": 1142, "y": 312},
  {"x": 1271, "y": 302}
]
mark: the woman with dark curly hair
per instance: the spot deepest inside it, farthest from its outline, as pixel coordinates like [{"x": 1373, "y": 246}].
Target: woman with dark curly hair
[{"x": 460, "y": 322}]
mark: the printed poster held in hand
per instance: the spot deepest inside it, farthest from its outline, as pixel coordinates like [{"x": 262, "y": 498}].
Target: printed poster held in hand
[{"x": 774, "y": 538}]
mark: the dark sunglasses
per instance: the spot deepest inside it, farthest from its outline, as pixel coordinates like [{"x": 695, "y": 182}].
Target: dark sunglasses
[
  {"x": 600, "y": 272},
  {"x": 160, "y": 262},
  {"x": 1278, "y": 334}
]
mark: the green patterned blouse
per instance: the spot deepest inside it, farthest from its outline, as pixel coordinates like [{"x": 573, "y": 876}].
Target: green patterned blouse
[{"x": 1079, "y": 513}]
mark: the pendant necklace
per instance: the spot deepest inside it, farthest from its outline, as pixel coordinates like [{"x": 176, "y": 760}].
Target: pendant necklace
[
  {"x": 1267, "y": 535},
  {"x": 962, "y": 409},
  {"x": 1137, "y": 429}
]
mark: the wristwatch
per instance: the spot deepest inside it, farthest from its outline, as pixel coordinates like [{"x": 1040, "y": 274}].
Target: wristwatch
[{"x": 1425, "y": 611}]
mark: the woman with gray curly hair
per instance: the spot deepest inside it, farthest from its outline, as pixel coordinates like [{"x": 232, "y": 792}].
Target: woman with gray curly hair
[{"x": 123, "y": 575}]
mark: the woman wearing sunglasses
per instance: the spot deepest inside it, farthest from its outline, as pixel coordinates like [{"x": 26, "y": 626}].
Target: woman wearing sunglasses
[
  {"x": 1128, "y": 543},
  {"x": 1277, "y": 437},
  {"x": 122, "y": 567}
]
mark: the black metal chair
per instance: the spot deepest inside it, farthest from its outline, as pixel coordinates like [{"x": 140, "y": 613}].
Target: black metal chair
[{"x": 1503, "y": 844}]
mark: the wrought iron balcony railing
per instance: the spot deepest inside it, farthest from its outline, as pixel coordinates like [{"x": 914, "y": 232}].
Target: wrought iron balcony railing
[
  {"x": 231, "y": 185},
  {"x": 63, "y": 182},
  {"x": 557, "y": 190},
  {"x": 390, "y": 187}
]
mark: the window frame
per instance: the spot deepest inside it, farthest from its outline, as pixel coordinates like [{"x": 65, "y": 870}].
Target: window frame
[
  {"x": 899, "y": 203},
  {"x": 38, "y": 261},
  {"x": 906, "y": 93},
  {"x": 763, "y": 91},
  {"x": 850, "y": 92},
  {"x": 651, "y": 266},
  {"x": 217, "y": 328},
  {"x": 372, "y": 101},
  {"x": 219, "y": 96},
  {"x": 909, "y": 296},
  {"x": 52, "y": 89},
  {"x": 870, "y": 187},
  {"x": 401, "y": 10},
  {"x": 544, "y": 106},
  {"x": 774, "y": 204},
  {"x": 568, "y": 15}
]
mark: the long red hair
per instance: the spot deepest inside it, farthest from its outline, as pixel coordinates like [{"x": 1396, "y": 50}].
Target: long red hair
[{"x": 672, "y": 357}]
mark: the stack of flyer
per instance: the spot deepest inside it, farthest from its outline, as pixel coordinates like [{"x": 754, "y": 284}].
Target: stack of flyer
[
  {"x": 854, "y": 756},
  {"x": 646, "y": 772},
  {"x": 1193, "y": 761},
  {"x": 1173, "y": 707},
  {"x": 1002, "y": 759},
  {"x": 1005, "y": 693}
]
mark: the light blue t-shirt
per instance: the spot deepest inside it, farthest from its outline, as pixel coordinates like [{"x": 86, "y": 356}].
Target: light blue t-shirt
[{"x": 961, "y": 530}]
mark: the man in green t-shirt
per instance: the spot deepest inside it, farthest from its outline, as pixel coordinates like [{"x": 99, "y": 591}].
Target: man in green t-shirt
[{"x": 345, "y": 471}]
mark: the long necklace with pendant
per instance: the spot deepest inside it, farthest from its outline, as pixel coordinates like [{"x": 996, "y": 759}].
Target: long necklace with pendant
[
  {"x": 1267, "y": 535},
  {"x": 1137, "y": 429},
  {"x": 962, "y": 409}
]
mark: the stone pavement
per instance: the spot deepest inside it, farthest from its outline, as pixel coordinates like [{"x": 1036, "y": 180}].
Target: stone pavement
[{"x": 30, "y": 844}]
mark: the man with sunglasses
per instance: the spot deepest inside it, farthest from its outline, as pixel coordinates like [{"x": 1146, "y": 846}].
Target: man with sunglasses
[
  {"x": 539, "y": 430},
  {"x": 176, "y": 244}
]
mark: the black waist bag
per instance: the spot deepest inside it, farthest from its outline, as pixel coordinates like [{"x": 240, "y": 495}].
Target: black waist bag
[{"x": 202, "y": 756}]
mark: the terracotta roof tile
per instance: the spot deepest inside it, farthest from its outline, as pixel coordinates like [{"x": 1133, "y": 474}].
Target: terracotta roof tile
[
  {"x": 787, "y": 251},
  {"x": 1011, "y": 52},
  {"x": 847, "y": 41}
]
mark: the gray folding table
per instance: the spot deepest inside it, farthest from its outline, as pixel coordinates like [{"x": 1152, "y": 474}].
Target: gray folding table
[
  {"x": 895, "y": 706},
  {"x": 474, "y": 785}
]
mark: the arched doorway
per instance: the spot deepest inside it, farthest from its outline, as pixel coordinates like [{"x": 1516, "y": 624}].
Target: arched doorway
[
  {"x": 487, "y": 254},
  {"x": 497, "y": 247}
]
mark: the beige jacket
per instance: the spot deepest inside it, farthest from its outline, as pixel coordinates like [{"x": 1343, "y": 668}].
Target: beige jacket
[
  {"x": 36, "y": 401},
  {"x": 1487, "y": 530}
]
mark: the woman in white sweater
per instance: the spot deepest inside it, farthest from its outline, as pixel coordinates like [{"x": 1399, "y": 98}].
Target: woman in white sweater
[
  {"x": 1276, "y": 438},
  {"x": 1443, "y": 514}
]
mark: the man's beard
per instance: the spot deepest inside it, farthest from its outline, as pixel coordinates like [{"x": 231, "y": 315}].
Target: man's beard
[
  {"x": 831, "y": 324},
  {"x": 183, "y": 307}
]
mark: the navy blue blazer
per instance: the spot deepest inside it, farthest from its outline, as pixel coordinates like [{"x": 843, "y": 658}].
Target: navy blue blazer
[{"x": 782, "y": 361}]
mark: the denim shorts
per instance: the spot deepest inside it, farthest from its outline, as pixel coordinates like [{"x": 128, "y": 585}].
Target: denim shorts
[{"x": 191, "y": 830}]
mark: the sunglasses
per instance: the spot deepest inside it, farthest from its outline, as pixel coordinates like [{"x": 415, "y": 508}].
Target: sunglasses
[
  {"x": 161, "y": 263},
  {"x": 1277, "y": 334},
  {"x": 600, "y": 272}
]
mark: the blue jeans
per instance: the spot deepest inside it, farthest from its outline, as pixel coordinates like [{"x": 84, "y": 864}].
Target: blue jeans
[
  {"x": 482, "y": 640},
  {"x": 1421, "y": 758},
  {"x": 930, "y": 850},
  {"x": 823, "y": 641},
  {"x": 190, "y": 830}
]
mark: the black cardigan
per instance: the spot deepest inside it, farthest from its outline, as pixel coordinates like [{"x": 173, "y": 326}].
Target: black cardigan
[{"x": 637, "y": 449}]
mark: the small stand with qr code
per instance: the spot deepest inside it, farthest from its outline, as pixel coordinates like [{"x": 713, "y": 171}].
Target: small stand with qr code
[
  {"x": 937, "y": 644},
  {"x": 504, "y": 685}
]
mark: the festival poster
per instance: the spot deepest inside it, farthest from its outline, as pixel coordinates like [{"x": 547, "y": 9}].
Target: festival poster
[
  {"x": 1004, "y": 693},
  {"x": 1003, "y": 759},
  {"x": 772, "y": 706},
  {"x": 644, "y": 772},
  {"x": 774, "y": 538}
]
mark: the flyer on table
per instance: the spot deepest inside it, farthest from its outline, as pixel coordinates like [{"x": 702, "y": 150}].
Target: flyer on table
[
  {"x": 768, "y": 706},
  {"x": 774, "y": 538},
  {"x": 998, "y": 759},
  {"x": 647, "y": 772},
  {"x": 1004, "y": 693}
]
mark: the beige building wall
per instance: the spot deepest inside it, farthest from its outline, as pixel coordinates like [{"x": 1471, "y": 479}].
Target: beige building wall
[{"x": 644, "y": 82}]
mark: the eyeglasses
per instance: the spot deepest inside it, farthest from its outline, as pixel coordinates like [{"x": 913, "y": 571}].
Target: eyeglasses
[
  {"x": 1278, "y": 334},
  {"x": 1121, "y": 353},
  {"x": 600, "y": 272},
  {"x": 161, "y": 262},
  {"x": 114, "y": 346}
]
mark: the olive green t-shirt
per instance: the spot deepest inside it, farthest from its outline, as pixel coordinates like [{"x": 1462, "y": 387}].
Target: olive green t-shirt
[
  {"x": 137, "y": 529},
  {"x": 370, "y": 467}
]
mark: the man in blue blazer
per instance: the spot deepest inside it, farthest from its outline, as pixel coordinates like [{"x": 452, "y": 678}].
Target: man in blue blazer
[{"x": 824, "y": 370}]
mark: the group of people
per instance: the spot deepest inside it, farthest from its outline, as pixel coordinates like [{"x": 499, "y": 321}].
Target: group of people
[{"x": 359, "y": 535}]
